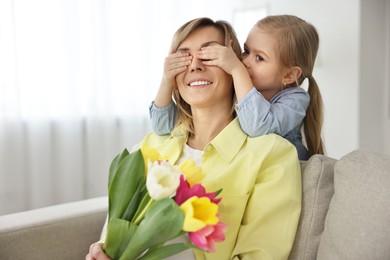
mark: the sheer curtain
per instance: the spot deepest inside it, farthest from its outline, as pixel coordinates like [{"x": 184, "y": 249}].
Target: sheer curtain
[{"x": 76, "y": 80}]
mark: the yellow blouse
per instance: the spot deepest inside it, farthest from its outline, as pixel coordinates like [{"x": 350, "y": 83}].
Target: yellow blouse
[{"x": 261, "y": 196}]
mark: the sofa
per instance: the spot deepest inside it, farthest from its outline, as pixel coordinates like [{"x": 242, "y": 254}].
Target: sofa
[{"x": 345, "y": 215}]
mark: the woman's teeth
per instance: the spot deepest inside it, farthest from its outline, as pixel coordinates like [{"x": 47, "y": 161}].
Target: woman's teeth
[{"x": 200, "y": 83}]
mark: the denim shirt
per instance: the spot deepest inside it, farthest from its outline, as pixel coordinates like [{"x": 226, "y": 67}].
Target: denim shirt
[{"x": 282, "y": 115}]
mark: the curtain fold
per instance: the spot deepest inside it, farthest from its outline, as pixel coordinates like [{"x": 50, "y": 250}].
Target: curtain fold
[
  {"x": 45, "y": 162},
  {"x": 76, "y": 81}
]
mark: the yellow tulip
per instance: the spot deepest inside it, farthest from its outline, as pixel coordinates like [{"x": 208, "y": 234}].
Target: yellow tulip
[
  {"x": 198, "y": 212},
  {"x": 193, "y": 173},
  {"x": 150, "y": 156}
]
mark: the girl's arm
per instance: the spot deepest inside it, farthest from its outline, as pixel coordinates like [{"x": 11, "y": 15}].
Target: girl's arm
[
  {"x": 162, "y": 110},
  {"x": 162, "y": 119},
  {"x": 258, "y": 116},
  {"x": 284, "y": 112}
]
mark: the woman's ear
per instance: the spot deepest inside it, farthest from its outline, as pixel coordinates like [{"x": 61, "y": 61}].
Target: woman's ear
[{"x": 292, "y": 75}]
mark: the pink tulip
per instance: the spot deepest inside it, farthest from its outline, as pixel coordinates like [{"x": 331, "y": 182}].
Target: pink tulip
[
  {"x": 184, "y": 192},
  {"x": 207, "y": 236}
]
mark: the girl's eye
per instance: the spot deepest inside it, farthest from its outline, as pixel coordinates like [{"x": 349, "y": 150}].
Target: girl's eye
[{"x": 259, "y": 58}]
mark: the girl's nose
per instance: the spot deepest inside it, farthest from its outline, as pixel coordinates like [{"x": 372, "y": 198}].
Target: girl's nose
[{"x": 245, "y": 61}]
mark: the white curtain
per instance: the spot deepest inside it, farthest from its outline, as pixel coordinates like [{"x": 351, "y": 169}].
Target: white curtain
[{"x": 76, "y": 80}]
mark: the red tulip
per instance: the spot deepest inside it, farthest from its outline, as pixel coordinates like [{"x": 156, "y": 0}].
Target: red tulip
[{"x": 184, "y": 192}]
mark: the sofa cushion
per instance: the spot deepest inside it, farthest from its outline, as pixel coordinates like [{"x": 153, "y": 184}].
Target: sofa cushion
[
  {"x": 63, "y": 231},
  {"x": 317, "y": 186},
  {"x": 358, "y": 222}
]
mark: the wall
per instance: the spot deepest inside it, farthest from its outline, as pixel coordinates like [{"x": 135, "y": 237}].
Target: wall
[
  {"x": 387, "y": 79},
  {"x": 353, "y": 69},
  {"x": 374, "y": 75}
]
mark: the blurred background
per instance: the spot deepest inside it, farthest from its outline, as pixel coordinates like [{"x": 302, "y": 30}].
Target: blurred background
[{"x": 77, "y": 78}]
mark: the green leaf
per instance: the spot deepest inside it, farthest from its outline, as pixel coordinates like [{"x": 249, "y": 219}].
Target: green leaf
[
  {"x": 115, "y": 165},
  {"x": 145, "y": 201},
  {"x": 218, "y": 192},
  {"x": 163, "y": 221},
  {"x": 119, "y": 235},
  {"x": 135, "y": 203},
  {"x": 166, "y": 251},
  {"x": 129, "y": 175}
]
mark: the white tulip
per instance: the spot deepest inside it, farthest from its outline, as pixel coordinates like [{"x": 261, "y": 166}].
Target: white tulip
[{"x": 162, "y": 180}]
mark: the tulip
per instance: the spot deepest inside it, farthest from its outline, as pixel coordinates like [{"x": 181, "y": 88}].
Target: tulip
[
  {"x": 207, "y": 236},
  {"x": 162, "y": 180},
  {"x": 150, "y": 156},
  {"x": 193, "y": 173},
  {"x": 184, "y": 192},
  {"x": 198, "y": 212}
]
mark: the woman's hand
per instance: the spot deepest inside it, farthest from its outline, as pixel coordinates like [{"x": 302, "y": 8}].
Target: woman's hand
[{"x": 96, "y": 252}]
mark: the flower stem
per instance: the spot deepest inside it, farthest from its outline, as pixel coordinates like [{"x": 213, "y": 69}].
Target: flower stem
[{"x": 141, "y": 216}]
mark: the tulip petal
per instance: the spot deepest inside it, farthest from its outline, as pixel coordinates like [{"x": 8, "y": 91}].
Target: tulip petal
[
  {"x": 193, "y": 173},
  {"x": 198, "y": 213},
  {"x": 185, "y": 191},
  {"x": 207, "y": 236},
  {"x": 198, "y": 239},
  {"x": 162, "y": 180}
]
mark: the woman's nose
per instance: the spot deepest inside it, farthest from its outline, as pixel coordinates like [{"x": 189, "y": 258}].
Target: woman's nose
[{"x": 196, "y": 64}]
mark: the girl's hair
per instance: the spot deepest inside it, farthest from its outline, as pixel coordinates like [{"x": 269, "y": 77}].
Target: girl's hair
[
  {"x": 184, "y": 109},
  {"x": 298, "y": 43}
]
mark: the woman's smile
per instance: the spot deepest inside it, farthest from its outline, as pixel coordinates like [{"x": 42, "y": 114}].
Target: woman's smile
[{"x": 199, "y": 83}]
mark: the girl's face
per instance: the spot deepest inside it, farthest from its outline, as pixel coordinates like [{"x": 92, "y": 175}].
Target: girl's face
[
  {"x": 261, "y": 59},
  {"x": 200, "y": 85}
]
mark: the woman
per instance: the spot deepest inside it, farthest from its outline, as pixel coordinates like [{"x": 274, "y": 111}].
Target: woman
[{"x": 260, "y": 177}]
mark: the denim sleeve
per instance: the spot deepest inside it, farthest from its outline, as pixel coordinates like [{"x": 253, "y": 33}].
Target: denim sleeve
[
  {"x": 162, "y": 119},
  {"x": 284, "y": 112}
]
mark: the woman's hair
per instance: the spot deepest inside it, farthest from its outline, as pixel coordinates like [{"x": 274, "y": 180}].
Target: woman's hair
[
  {"x": 184, "y": 109},
  {"x": 297, "y": 42}
]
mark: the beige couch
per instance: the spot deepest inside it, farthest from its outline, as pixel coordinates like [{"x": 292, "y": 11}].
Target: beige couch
[{"x": 345, "y": 215}]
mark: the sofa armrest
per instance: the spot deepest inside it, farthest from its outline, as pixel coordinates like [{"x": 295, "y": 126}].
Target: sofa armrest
[{"x": 63, "y": 231}]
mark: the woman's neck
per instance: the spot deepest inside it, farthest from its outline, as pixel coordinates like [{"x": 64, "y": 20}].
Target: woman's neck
[{"x": 207, "y": 126}]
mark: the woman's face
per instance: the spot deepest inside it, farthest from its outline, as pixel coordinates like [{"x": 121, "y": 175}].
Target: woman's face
[
  {"x": 200, "y": 85},
  {"x": 262, "y": 62}
]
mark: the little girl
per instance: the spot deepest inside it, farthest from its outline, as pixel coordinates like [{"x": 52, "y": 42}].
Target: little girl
[{"x": 279, "y": 54}]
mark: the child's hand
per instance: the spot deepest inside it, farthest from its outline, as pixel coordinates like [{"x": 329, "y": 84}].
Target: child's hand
[
  {"x": 225, "y": 58},
  {"x": 175, "y": 64},
  {"x": 221, "y": 56}
]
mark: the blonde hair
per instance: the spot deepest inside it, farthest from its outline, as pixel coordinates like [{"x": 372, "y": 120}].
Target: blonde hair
[
  {"x": 298, "y": 42},
  {"x": 184, "y": 109}
]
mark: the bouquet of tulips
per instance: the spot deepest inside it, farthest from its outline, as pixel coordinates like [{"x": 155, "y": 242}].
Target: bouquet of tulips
[{"x": 152, "y": 202}]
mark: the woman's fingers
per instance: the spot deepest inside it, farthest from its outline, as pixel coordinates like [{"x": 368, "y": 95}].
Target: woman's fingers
[{"x": 96, "y": 252}]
